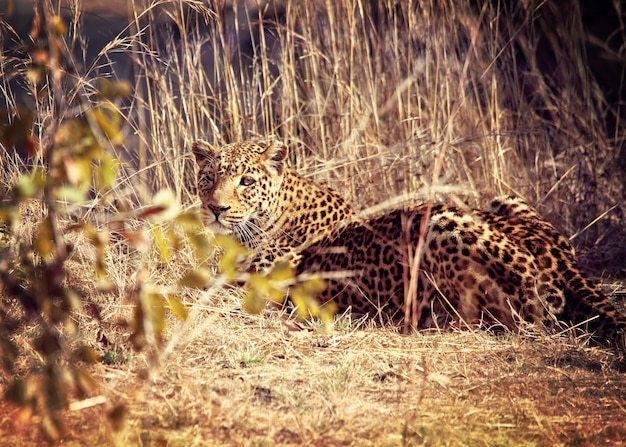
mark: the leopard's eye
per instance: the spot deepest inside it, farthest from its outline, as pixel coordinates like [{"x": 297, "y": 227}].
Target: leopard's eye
[{"x": 246, "y": 180}]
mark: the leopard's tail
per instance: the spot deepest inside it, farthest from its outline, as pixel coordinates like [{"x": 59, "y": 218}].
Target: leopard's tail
[{"x": 587, "y": 306}]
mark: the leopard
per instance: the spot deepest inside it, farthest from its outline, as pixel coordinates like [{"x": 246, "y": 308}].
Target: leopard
[
  {"x": 499, "y": 268},
  {"x": 430, "y": 265},
  {"x": 247, "y": 190}
]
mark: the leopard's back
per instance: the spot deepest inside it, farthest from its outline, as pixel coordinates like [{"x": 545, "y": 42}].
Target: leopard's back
[{"x": 495, "y": 267}]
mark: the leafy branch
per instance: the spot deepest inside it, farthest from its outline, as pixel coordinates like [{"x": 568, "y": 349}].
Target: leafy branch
[{"x": 73, "y": 170}]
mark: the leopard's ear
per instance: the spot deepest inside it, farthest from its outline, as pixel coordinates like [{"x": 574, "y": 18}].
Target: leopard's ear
[
  {"x": 203, "y": 151},
  {"x": 275, "y": 155}
]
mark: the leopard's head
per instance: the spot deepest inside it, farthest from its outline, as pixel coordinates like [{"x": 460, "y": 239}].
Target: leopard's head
[{"x": 239, "y": 185}]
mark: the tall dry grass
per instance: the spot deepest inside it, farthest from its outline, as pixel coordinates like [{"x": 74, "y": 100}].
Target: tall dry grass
[{"x": 370, "y": 94}]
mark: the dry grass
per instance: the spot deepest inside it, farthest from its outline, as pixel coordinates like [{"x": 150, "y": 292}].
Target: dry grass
[
  {"x": 368, "y": 95},
  {"x": 232, "y": 379},
  {"x": 373, "y": 92}
]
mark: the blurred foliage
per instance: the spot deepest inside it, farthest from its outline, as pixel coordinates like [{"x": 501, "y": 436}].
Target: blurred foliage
[{"x": 72, "y": 169}]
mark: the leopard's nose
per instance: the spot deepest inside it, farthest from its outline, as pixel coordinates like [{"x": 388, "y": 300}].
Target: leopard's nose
[{"x": 217, "y": 209}]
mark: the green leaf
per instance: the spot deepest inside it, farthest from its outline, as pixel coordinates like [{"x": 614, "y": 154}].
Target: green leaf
[
  {"x": 110, "y": 122},
  {"x": 162, "y": 243},
  {"x": 266, "y": 288},
  {"x": 86, "y": 354},
  {"x": 197, "y": 278},
  {"x": 304, "y": 297},
  {"x": 57, "y": 25},
  {"x": 314, "y": 285},
  {"x": 282, "y": 271},
  {"x": 106, "y": 172},
  {"x": 112, "y": 90},
  {"x": 71, "y": 300},
  {"x": 72, "y": 194},
  {"x": 202, "y": 247},
  {"x": 156, "y": 312},
  {"x": 50, "y": 424},
  {"x": 77, "y": 169},
  {"x": 28, "y": 186},
  {"x": 177, "y": 308},
  {"x": 234, "y": 253},
  {"x": 174, "y": 239},
  {"x": 9, "y": 214},
  {"x": 190, "y": 220},
  {"x": 253, "y": 303},
  {"x": 44, "y": 239},
  {"x": 99, "y": 240}
]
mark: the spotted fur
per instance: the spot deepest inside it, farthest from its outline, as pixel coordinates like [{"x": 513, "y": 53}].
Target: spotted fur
[
  {"x": 497, "y": 267},
  {"x": 247, "y": 190}
]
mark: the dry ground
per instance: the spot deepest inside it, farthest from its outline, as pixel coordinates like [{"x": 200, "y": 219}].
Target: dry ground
[{"x": 231, "y": 379}]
